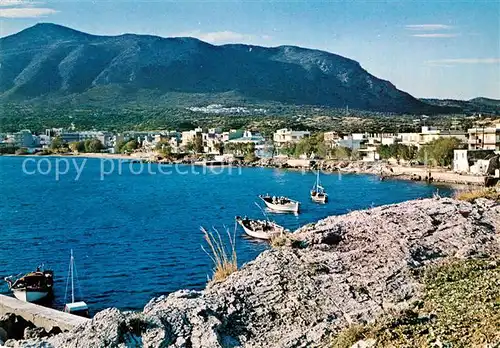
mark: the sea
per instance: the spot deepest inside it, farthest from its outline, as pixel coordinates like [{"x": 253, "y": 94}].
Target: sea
[{"x": 134, "y": 227}]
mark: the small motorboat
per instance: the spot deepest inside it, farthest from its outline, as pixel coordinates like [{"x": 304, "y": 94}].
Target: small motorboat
[
  {"x": 261, "y": 229},
  {"x": 79, "y": 308},
  {"x": 32, "y": 287},
  {"x": 280, "y": 204},
  {"x": 318, "y": 193}
]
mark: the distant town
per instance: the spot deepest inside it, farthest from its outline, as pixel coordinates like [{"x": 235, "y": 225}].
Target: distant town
[{"x": 472, "y": 151}]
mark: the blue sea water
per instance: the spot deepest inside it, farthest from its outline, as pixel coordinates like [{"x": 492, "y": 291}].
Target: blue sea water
[{"x": 136, "y": 236}]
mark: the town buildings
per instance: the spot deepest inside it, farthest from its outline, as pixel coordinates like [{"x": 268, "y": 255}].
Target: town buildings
[
  {"x": 476, "y": 162},
  {"x": 484, "y": 138},
  {"x": 482, "y": 142},
  {"x": 285, "y": 135}
]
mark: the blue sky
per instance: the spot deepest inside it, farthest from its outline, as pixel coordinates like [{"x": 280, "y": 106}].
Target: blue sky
[{"x": 434, "y": 48}]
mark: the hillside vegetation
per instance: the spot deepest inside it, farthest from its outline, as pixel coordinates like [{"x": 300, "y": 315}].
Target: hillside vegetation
[{"x": 48, "y": 63}]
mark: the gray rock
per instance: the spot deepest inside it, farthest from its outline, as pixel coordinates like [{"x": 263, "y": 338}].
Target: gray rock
[
  {"x": 365, "y": 343},
  {"x": 3, "y": 335},
  {"x": 37, "y": 332},
  {"x": 353, "y": 268},
  {"x": 13, "y": 326}
]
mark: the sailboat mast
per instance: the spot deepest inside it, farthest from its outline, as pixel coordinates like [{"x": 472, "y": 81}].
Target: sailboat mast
[{"x": 72, "y": 282}]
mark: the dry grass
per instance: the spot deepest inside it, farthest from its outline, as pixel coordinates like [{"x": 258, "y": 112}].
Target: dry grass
[
  {"x": 287, "y": 239},
  {"x": 349, "y": 336},
  {"x": 279, "y": 240},
  {"x": 222, "y": 255},
  {"x": 471, "y": 195}
]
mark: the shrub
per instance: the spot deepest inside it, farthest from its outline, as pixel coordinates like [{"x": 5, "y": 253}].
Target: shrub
[
  {"x": 472, "y": 194},
  {"x": 459, "y": 308}
]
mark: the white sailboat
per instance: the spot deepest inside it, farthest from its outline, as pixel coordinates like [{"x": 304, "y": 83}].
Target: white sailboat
[
  {"x": 79, "y": 307},
  {"x": 318, "y": 193}
]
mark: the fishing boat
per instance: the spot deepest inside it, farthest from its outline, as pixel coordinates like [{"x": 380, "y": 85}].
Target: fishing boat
[
  {"x": 318, "y": 193},
  {"x": 260, "y": 229},
  {"x": 280, "y": 204},
  {"x": 32, "y": 287},
  {"x": 79, "y": 308}
]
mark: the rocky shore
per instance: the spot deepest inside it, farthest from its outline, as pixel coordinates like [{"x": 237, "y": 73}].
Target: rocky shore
[
  {"x": 382, "y": 169},
  {"x": 340, "y": 271},
  {"x": 15, "y": 327}
]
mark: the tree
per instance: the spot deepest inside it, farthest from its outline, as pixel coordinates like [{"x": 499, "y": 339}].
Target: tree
[
  {"x": 93, "y": 145},
  {"x": 407, "y": 153},
  {"x": 131, "y": 145},
  {"x": 77, "y": 146},
  {"x": 219, "y": 147},
  {"x": 190, "y": 146},
  {"x": 355, "y": 155},
  {"x": 56, "y": 143},
  {"x": 288, "y": 149},
  {"x": 439, "y": 151},
  {"x": 163, "y": 147},
  {"x": 341, "y": 153},
  {"x": 385, "y": 152},
  {"x": 198, "y": 143},
  {"x": 397, "y": 151},
  {"x": 120, "y": 145},
  {"x": 250, "y": 152}
]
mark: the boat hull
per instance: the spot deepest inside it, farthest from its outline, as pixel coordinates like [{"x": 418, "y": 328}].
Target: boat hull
[
  {"x": 30, "y": 296},
  {"x": 261, "y": 234},
  {"x": 319, "y": 199},
  {"x": 258, "y": 235},
  {"x": 292, "y": 207}
]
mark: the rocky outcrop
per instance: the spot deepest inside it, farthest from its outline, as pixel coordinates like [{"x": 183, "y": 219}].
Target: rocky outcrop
[
  {"x": 15, "y": 327},
  {"x": 343, "y": 269}
]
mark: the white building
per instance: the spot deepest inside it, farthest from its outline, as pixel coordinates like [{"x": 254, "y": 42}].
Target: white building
[
  {"x": 188, "y": 137},
  {"x": 25, "y": 138},
  {"x": 284, "y": 136},
  {"x": 261, "y": 148},
  {"x": 476, "y": 162},
  {"x": 429, "y": 134},
  {"x": 485, "y": 138},
  {"x": 382, "y": 138},
  {"x": 409, "y": 139}
]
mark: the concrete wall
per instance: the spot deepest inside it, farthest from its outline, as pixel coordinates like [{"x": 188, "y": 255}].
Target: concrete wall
[
  {"x": 40, "y": 316},
  {"x": 299, "y": 163},
  {"x": 440, "y": 175}
]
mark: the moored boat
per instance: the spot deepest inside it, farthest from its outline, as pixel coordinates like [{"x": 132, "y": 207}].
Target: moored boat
[
  {"x": 318, "y": 193},
  {"x": 79, "y": 308},
  {"x": 32, "y": 287},
  {"x": 280, "y": 204},
  {"x": 261, "y": 229}
]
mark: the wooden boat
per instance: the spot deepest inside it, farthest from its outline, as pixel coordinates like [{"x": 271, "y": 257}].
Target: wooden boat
[
  {"x": 79, "y": 308},
  {"x": 318, "y": 193},
  {"x": 280, "y": 204},
  {"x": 261, "y": 229},
  {"x": 32, "y": 287}
]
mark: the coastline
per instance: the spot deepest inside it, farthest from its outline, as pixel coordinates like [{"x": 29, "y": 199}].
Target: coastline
[
  {"x": 382, "y": 169},
  {"x": 337, "y": 276}
]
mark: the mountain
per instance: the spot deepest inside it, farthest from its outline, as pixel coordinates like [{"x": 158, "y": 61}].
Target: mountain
[
  {"x": 475, "y": 105},
  {"x": 52, "y": 63}
]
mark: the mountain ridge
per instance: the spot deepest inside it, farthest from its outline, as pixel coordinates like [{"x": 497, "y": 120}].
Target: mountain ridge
[{"x": 49, "y": 62}]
